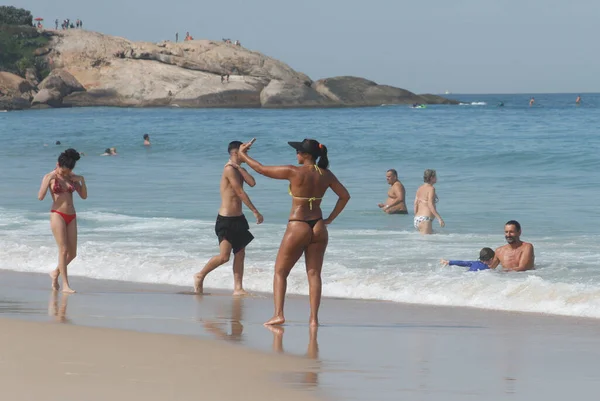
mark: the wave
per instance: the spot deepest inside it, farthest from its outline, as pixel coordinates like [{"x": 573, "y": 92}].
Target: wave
[
  {"x": 360, "y": 264},
  {"x": 473, "y": 104}
]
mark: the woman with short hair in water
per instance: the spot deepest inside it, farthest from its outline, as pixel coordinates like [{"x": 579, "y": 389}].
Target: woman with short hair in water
[
  {"x": 306, "y": 231},
  {"x": 62, "y": 183},
  {"x": 425, "y": 201}
]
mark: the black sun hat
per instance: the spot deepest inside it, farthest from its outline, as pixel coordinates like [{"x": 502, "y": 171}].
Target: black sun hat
[{"x": 309, "y": 146}]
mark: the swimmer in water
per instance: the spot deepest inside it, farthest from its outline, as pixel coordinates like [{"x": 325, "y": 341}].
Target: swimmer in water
[
  {"x": 395, "y": 203},
  {"x": 516, "y": 255},
  {"x": 486, "y": 257},
  {"x": 578, "y": 100},
  {"x": 531, "y": 101},
  {"x": 109, "y": 152},
  {"x": 147, "y": 140},
  {"x": 62, "y": 183},
  {"x": 501, "y": 104}
]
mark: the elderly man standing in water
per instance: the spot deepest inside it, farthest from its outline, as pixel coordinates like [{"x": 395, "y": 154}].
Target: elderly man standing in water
[
  {"x": 516, "y": 255},
  {"x": 395, "y": 203}
]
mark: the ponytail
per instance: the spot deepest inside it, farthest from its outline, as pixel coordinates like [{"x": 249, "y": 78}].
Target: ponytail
[{"x": 323, "y": 160}]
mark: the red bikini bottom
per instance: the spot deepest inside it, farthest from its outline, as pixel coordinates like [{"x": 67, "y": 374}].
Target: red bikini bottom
[{"x": 68, "y": 218}]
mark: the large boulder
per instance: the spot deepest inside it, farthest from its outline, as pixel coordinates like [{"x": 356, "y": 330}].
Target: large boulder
[
  {"x": 13, "y": 103},
  {"x": 435, "y": 99},
  {"x": 49, "y": 97},
  {"x": 354, "y": 91},
  {"x": 280, "y": 94},
  {"x": 61, "y": 81},
  {"x": 13, "y": 85},
  {"x": 55, "y": 87}
]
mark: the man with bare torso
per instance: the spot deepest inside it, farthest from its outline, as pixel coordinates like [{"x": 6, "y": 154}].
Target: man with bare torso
[
  {"x": 231, "y": 227},
  {"x": 395, "y": 203},
  {"x": 516, "y": 255}
]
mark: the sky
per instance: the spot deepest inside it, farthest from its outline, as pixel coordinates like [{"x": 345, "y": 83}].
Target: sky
[{"x": 432, "y": 46}]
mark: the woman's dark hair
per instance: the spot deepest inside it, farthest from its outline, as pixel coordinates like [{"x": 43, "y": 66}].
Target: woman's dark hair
[
  {"x": 146, "y": 136},
  {"x": 323, "y": 160},
  {"x": 107, "y": 150},
  {"x": 68, "y": 158}
]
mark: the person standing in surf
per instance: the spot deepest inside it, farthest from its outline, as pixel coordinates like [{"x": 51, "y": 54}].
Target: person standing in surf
[
  {"x": 62, "y": 183},
  {"x": 306, "y": 231},
  {"x": 424, "y": 206},
  {"x": 395, "y": 203},
  {"x": 231, "y": 226}
]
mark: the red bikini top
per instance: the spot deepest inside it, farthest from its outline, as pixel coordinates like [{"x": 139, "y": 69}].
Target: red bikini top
[{"x": 58, "y": 189}]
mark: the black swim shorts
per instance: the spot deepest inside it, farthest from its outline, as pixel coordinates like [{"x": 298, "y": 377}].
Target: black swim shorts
[{"x": 235, "y": 230}]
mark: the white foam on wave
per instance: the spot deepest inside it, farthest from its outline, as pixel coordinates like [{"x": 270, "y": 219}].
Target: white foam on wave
[
  {"x": 363, "y": 264},
  {"x": 473, "y": 104}
]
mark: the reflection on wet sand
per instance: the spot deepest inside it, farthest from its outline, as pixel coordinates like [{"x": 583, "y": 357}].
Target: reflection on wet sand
[
  {"x": 311, "y": 378},
  {"x": 56, "y": 310},
  {"x": 215, "y": 327}
]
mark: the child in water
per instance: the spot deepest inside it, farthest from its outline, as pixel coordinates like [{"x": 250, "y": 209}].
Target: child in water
[{"x": 486, "y": 255}]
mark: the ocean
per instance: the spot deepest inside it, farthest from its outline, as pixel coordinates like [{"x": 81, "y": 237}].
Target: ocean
[{"x": 150, "y": 213}]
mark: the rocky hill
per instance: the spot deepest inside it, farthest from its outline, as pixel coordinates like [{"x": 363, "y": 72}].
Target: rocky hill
[{"x": 92, "y": 69}]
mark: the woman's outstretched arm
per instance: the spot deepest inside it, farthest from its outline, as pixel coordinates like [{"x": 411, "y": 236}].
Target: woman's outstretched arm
[{"x": 277, "y": 172}]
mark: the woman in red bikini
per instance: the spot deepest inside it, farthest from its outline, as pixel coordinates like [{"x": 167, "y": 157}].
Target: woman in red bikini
[
  {"x": 306, "y": 231},
  {"x": 62, "y": 183}
]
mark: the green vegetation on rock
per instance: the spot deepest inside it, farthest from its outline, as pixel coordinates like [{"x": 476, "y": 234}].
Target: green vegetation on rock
[{"x": 19, "y": 42}]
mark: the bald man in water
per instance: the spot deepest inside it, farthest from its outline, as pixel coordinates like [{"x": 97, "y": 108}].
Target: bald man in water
[{"x": 516, "y": 255}]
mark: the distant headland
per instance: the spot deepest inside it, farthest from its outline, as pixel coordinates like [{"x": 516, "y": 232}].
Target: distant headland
[{"x": 82, "y": 68}]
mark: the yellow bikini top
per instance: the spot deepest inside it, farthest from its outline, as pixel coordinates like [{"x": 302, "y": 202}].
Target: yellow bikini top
[{"x": 312, "y": 199}]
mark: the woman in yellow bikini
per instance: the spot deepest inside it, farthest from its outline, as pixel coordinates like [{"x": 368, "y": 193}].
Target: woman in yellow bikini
[{"x": 306, "y": 232}]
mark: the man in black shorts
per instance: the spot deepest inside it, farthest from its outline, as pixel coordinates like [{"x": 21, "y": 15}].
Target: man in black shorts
[{"x": 231, "y": 227}]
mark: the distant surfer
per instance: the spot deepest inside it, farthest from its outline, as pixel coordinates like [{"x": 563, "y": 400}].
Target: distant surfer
[
  {"x": 578, "y": 100},
  {"x": 395, "y": 203},
  {"x": 531, "y": 101},
  {"x": 231, "y": 226},
  {"x": 516, "y": 255}
]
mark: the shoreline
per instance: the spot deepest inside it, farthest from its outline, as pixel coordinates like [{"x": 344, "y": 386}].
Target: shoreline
[
  {"x": 363, "y": 350},
  {"x": 174, "y": 289}
]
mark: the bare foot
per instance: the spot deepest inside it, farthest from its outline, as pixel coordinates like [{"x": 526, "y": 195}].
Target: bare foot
[
  {"x": 54, "y": 276},
  {"x": 275, "y": 320},
  {"x": 68, "y": 290},
  {"x": 239, "y": 293},
  {"x": 198, "y": 283}
]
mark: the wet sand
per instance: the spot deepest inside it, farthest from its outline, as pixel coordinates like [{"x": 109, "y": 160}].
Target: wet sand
[{"x": 364, "y": 350}]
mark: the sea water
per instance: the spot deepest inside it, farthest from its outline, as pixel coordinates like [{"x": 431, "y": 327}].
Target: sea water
[{"x": 151, "y": 210}]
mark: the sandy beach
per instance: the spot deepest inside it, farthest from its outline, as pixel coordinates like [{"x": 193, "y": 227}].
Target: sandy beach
[{"x": 154, "y": 342}]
